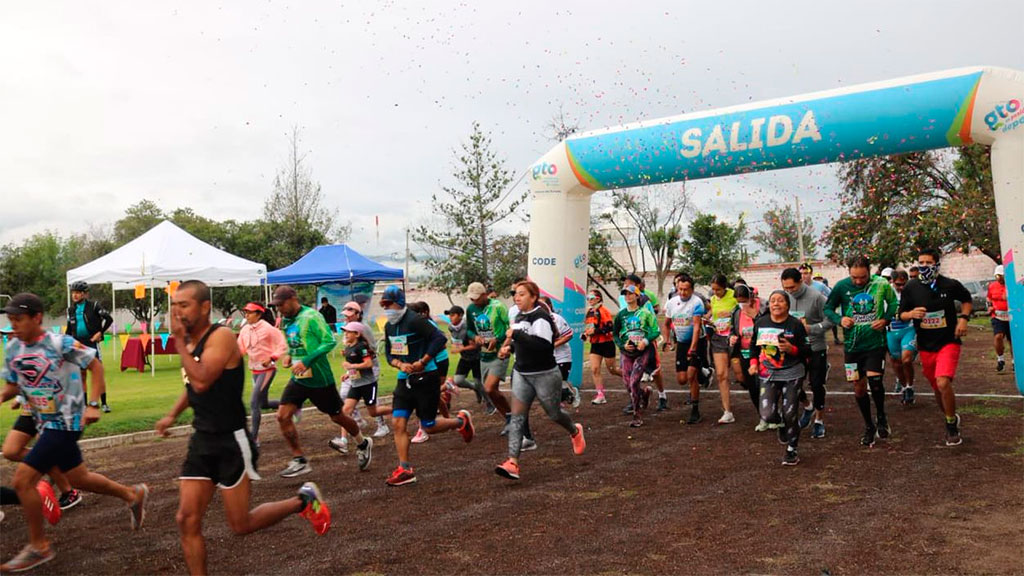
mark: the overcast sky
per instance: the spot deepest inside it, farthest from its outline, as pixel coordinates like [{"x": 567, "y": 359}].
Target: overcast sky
[{"x": 189, "y": 103}]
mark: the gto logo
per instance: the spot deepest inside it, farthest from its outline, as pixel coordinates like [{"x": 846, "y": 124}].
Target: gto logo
[
  {"x": 1003, "y": 114},
  {"x": 541, "y": 261},
  {"x": 544, "y": 169},
  {"x": 580, "y": 261}
]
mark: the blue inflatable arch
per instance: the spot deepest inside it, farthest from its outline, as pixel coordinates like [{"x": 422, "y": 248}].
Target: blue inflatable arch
[{"x": 980, "y": 105}]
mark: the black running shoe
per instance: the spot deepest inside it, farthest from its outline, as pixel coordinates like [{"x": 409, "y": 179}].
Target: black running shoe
[
  {"x": 662, "y": 404},
  {"x": 1000, "y": 364},
  {"x": 628, "y": 409},
  {"x": 70, "y": 499},
  {"x": 883, "y": 427},
  {"x": 908, "y": 396},
  {"x": 790, "y": 459},
  {"x": 953, "y": 437},
  {"x": 868, "y": 439},
  {"x": 695, "y": 417}
]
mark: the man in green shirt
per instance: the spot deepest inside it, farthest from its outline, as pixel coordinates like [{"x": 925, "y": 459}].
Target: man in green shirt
[
  {"x": 488, "y": 322},
  {"x": 866, "y": 304},
  {"x": 309, "y": 340}
]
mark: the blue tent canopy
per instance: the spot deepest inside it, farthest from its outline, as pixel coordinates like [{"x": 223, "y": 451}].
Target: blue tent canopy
[{"x": 333, "y": 263}]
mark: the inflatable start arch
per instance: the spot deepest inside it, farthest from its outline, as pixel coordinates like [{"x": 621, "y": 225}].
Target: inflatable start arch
[{"x": 969, "y": 105}]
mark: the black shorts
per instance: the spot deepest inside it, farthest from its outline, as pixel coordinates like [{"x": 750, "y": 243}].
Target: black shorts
[
  {"x": 720, "y": 344},
  {"x": 867, "y": 361},
  {"x": 25, "y": 424},
  {"x": 221, "y": 458},
  {"x": 55, "y": 448},
  {"x": 653, "y": 361},
  {"x": 1001, "y": 327},
  {"x": 367, "y": 393},
  {"x": 565, "y": 368},
  {"x": 467, "y": 366},
  {"x": 683, "y": 359},
  {"x": 603, "y": 349},
  {"x": 442, "y": 368},
  {"x": 420, "y": 393},
  {"x": 325, "y": 399}
]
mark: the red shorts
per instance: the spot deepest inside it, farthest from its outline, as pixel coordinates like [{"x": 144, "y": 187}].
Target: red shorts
[{"x": 941, "y": 364}]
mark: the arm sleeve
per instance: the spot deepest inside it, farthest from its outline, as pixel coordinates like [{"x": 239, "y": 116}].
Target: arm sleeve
[
  {"x": 387, "y": 347},
  {"x": 891, "y": 303},
  {"x": 470, "y": 325},
  {"x": 242, "y": 338},
  {"x": 107, "y": 319},
  {"x": 617, "y": 331},
  {"x": 961, "y": 294},
  {"x": 651, "y": 327},
  {"x": 67, "y": 327},
  {"x": 317, "y": 328},
  {"x": 500, "y": 323},
  {"x": 755, "y": 350},
  {"x": 278, "y": 343},
  {"x": 434, "y": 338},
  {"x": 826, "y": 324},
  {"x": 803, "y": 347},
  {"x": 833, "y": 301}
]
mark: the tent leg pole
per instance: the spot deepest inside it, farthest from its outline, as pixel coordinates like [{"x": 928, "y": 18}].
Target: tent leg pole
[
  {"x": 152, "y": 354},
  {"x": 113, "y": 311}
]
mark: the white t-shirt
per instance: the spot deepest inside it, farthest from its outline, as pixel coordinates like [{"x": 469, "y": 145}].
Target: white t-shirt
[
  {"x": 681, "y": 313},
  {"x": 562, "y": 353}
]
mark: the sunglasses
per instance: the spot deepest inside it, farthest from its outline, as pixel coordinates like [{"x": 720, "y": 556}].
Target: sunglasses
[
  {"x": 592, "y": 298},
  {"x": 350, "y": 309}
]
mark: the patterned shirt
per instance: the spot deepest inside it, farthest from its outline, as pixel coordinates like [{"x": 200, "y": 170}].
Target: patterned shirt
[{"x": 48, "y": 373}]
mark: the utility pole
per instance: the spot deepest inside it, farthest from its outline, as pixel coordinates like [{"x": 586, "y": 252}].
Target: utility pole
[
  {"x": 407, "y": 255},
  {"x": 800, "y": 230}
]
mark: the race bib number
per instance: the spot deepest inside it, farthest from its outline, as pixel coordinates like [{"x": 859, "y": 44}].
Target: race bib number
[
  {"x": 1003, "y": 315},
  {"x": 798, "y": 314},
  {"x": 769, "y": 336},
  {"x": 934, "y": 320},
  {"x": 307, "y": 373},
  {"x": 851, "y": 373},
  {"x": 399, "y": 345},
  {"x": 723, "y": 326},
  {"x": 636, "y": 338},
  {"x": 42, "y": 402}
]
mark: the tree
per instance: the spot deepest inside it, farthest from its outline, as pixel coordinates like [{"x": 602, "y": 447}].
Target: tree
[
  {"x": 138, "y": 219},
  {"x": 780, "y": 234},
  {"x": 38, "y": 265},
  {"x": 462, "y": 246},
  {"x": 713, "y": 247},
  {"x": 657, "y": 213},
  {"x": 896, "y": 205}
]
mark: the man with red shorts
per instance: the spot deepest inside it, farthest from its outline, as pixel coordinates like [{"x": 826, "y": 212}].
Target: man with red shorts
[{"x": 929, "y": 301}]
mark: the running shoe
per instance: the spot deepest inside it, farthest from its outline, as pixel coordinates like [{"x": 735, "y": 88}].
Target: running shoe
[
  {"x": 364, "y": 454},
  {"x": 899, "y": 387},
  {"x": 401, "y": 476},
  {"x": 710, "y": 378},
  {"x": 908, "y": 396},
  {"x": 1000, "y": 365},
  {"x": 51, "y": 508},
  {"x": 636, "y": 422},
  {"x": 382, "y": 431},
  {"x": 339, "y": 444},
  {"x": 695, "y": 416},
  {"x": 599, "y": 399},
  {"x": 791, "y": 458},
  {"x": 774, "y": 425},
  {"x": 70, "y": 499},
  {"x": 420, "y": 437},
  {"x": 645, "y": 398},
  {"x": 727, "y": 418},
  {"x": 105, "y": 409},
  {"x": 27, "y": 559},
  {"x": 528, "y": 445},
  {"x": 297, "y": 467},
  {"x": 818, "y": 431},
  {"x": 762, "y": 426},
  {"x": 579, "y": 443},
  {"x": 628, "y": 409},
  {"x": 507, "y": 469},
  {"x": 662, "y": 404},
  {"x": 953, "y": 437},
  {"x": 868, "y": 439},
  {"x": 316, "y": 510},
  {"x": 883, "y": 427},
  {"x": 805, "y": 418},
  {"x": 449, "y": 384},
  {"x": 576, "y": 396},
  {"x": 467, "y": 431},
  {"x": 138, "y": 508},
  {"x": 646, "y": 377},
  {"x": 491, "y": 410}
]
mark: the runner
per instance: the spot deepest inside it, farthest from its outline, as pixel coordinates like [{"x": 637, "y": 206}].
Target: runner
[
  {"x": 723, "y": 304},
  {"x": 902, "y": 342},
  {"x": 309, "y": 340},
  {"x": 221, "y": 454},
  {"x": 779, "y": 353},
  {"x": 636, "y": 332},
  {"x": 929, "y": 302},
  {"x": 534, "y": 376},
  {"x": 808, "y": 277},
  {"x": 684, "y": 314},
  {"x": 362, "y": 371},
  {"x": 741, "y": 340},
  {"x": 87, "y": 322},
  {"x": 599, "y": 325},
  {"x": 423, "y": 310},
  {"x": 353, "y": 312},
  {"x": 264, "y": 344},
  {"x": 469, "y": 355},
  {"x": 999, "y": 310},
  {"x": 488, "y": 321},
  {"x": 563, "y": 354},
  {"x": 808, "y": 307},
  {"x": 647, "y": 299},
  {"x": 411, "y": 344},
  {"x": 867, "y": 303},
  {"x": 46, "y": 369}
]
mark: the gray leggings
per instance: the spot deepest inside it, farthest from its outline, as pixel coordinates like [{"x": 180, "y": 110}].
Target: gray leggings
[
  {"x": 545, "y": 387},
  {"x": 260, "y": 389},
  {"x": 789, "y": 391}
]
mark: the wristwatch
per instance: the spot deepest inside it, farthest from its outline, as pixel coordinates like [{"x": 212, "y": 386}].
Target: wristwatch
[
  {"x": 94, "y": 404},
  {"x": 964, "y": 316}
]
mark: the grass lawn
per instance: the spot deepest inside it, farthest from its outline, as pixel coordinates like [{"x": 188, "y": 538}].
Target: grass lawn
[{"x": 139, "y": 400}]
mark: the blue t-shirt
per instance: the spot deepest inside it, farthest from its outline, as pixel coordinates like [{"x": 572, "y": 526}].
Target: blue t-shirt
[
  {"x": 48, "y": 374},
  {"x": 81, "y": 330}
]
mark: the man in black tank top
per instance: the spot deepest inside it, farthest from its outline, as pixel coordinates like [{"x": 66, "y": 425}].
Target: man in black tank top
[{"x": 220, "y": 452}]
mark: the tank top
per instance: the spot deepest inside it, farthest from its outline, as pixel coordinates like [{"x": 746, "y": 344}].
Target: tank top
[{"x": 220, "y": 409}]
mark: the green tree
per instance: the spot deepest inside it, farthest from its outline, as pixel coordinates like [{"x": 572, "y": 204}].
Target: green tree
[
  {"x": 713, "y": 247},
  {"x": 893, "y": 206},
  {"x": 38, "y": 265},
  {"x": 779, "y": 234},
  {"x": 463, "y": 245},
  {"x": 137, "y": 220}
]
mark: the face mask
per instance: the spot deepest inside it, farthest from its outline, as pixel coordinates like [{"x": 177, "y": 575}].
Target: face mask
[
  {"x": 394, "y": 315},
  {"x": 928, "y": 273}
]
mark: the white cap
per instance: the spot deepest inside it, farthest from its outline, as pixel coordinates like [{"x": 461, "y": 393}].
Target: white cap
[
  {"x": 887, "y": 273},
  {"x": 999, "y": 271}
]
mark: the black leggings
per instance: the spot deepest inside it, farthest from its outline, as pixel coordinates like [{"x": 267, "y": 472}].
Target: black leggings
[
  {"x": 789, "y": 391},
  {"x": 750, "y": 383}
]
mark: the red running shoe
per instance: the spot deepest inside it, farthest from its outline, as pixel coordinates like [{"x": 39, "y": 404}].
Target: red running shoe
[
  {"x": 579, "y": 443},
  {"x": 401, "y": 476},
  {"x": 507, "y": 469},
  {"x": 51, "y": 509},
  {"x": 467, "y": 431},
  {"x": 316, "y": 510}
]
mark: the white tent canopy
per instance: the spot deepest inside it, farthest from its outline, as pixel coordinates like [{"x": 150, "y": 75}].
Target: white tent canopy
[{"x": 167, "y": 253}]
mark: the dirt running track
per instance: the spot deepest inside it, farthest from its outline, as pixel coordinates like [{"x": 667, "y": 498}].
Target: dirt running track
[{"x": 665, "y": 499}]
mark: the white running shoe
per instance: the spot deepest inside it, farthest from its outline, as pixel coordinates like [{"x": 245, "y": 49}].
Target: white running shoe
[
  {"x": 599, "y": 399},
  {"x": 382, "y": 431},
  {"x": 762, "y": 426},
  {"x": 339, "y": 444},
  {"x": 528, "y": 445},
  {"x": 727, "y": 418},
  {"x": 420, "y": 437}
]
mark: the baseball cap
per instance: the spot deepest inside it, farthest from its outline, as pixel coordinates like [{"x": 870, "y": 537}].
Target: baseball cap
[
  {"x": 254, "y": 307},
  {"x": 454, "y": 310},
  {"x": 353, "y": 327},
  {"x": 998, "y": 271},
  {"x": 353, "y": 306},
  {"x": 24, "y": 303},
  {"x": 475, "y": 290},
  {"x": 631, "y": 289},
  {"x": 393, "y": 294},
  {"x": 887, "y": 272},
  {"x": 283, "y": 293}
]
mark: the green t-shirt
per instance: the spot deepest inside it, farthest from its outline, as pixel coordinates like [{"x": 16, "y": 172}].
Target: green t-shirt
[
  {"x": 876, "y": 300},
  {"x": 490, "y": 321},
  {"x": 309, "y": 340},
  {"x": 633, "y": 325}
]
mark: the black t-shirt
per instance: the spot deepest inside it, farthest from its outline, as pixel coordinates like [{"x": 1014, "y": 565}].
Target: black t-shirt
[
  {"x": 330, "y": 314},
  {"x": 938, "y": 327},
  {"x": 220, "y": 408}
]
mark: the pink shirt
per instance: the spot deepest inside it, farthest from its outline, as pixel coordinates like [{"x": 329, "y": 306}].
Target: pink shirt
[{"x": 263, "y": 343}]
